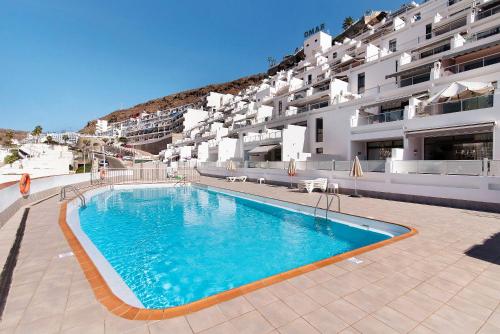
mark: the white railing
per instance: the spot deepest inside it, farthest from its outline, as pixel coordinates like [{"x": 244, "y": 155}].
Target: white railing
[
  {"x": 263, "y": 136},
  {"x": 487, "y": 13},
  {"x": 472, "y": 64},
  {"x": 494, "y": 168},
  {"x": 433, "y": 167},
  {"x": 161, "y": 174},
  {"x": 385, "y": 117},
  {"x": 442, "y": 167},
  {"x": 329, "y": 165},
  {"x": 473, "y": 103}
]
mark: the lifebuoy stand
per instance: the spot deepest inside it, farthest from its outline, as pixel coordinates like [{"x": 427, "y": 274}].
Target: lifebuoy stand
[{"x": 24, "y": 184}]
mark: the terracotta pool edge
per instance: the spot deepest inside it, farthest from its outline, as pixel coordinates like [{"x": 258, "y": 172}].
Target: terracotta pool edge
[{"x": 115, "y": 305}]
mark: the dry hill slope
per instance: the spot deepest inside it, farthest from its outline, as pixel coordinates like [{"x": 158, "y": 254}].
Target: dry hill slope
[{"x": 177, "y": 99}]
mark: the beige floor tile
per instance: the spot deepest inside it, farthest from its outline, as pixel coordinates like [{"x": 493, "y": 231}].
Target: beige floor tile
[
  {"x": 47, "y": 325},
  {"x": 177, "y": 325},
  {"x": 474, "y": 310},
  {"x": 370, "y": 324},
  {"x": 282, "y": 289},
  {"x": 278, "y": 313},
  {"x": 206, "y": 318},
  {"x": 224, "y": 328},
  {"x": 301, "y": 303},
  {"x": 115, "y": 324},
  {"x": 235, "y": 307},
  {"x": 319, "y": 275},
  {"x": 302, "y": 282},
  {"x": 346, "y": 311},
  {"x": 252, "y": 323},
  {"x": 395, "y": 319},
  {"x": 261, "y": 297},
  {"x": 298, "y": 326},
  {"x": 447, "y": 318},
  {"x": 92, "y": 328},
  {"x": 325, "y": 321},
  {"x": 489, "y": 329},
  {"x": 321, "y": 295}
]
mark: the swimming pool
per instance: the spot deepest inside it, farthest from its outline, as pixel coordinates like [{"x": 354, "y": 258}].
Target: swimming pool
[{"x": 160, "y": 247}]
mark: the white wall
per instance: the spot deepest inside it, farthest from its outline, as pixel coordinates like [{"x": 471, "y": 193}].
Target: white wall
[
  {"x": 11, "y": 194},
  {"x": 467, "y": 188},
  {"x": 293, "y": 142},
  {"x": 228, "y": 149}
]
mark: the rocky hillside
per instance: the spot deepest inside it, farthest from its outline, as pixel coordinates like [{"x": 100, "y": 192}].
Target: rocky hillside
[
  {"x": 177, "y": 99},
  {"x": 19, "y": 135}
]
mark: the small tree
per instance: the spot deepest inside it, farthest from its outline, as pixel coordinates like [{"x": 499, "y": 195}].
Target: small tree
[
  {"x": 11, "y": 158},
  {"x": 123, "y": 140},
  {"x": 37, "y": 131},
  {"x": 49, "y": 140},
  {"x": 348, "y": 22},
  {"x": 9, "y": 136},
  {"x": 65, "y": 138},
  {"x": 105, "y": 140}
]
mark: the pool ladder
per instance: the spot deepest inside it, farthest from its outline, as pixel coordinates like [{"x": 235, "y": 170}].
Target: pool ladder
[
  {"x": 62, "y": 194},
  {"x": 329, "y": 202}
]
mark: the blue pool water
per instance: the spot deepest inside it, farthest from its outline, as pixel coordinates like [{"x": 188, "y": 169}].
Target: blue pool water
[{"x": 173, "y": 246}]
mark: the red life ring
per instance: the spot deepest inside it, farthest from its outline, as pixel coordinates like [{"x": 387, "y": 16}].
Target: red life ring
[{"x": 24, "y": 184}]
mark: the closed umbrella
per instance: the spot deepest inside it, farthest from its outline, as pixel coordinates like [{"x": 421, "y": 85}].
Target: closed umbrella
[
  {"x": 292, "y": 170},
  {"x": 230, "y": 166},
  {"x": 356, "y": 171}
]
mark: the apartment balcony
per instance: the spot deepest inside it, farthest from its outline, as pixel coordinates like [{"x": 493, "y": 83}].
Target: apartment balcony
[
  {"x": 474, "y": 103},
  {"x": 488, "y": 11},
  {"x": 485, "y": 58},
  {"x": 313, "y": 106},
  {"x": 268, "y": 137},
  {"x": 380, "y": 118}
]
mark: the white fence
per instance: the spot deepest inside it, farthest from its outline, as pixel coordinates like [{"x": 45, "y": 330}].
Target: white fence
[{"x": 439, "y": 167}]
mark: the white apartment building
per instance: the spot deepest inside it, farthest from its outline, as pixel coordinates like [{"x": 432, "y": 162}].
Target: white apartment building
[{"x": 418, "y": 84}]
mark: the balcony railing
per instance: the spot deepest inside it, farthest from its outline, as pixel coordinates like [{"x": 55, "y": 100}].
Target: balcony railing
[
  {"x": 473, "y": 103},
  {"x": 262, "y": 137},
  {"x": 416, "y": 79},
  {"x": 385, "y": 117},
  {"x": 473, "y": 64},
  {"x": 487, "y": 13},
  {"x": 313, "y": 106}
]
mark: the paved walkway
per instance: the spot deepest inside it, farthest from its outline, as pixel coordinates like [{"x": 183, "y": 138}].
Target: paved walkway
[{"x": 423, "y": 284}]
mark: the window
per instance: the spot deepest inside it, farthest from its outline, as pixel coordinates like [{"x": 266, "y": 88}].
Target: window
[
  {"x": 309, "y": 78},
  {"x": 319, "y": 130},
  {"x": 319, "y": 150},
  {"x": 417, "y": 17},
  {"x": 428, "y": 31},
  {"x": 280, "y": 107},
  {"x": 334, "y": 55},
  {"x": 361, "y": 83},
  {"x": 392, "y": 45}
]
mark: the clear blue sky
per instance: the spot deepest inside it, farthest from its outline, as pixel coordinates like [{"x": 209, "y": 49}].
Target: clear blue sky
[{"x": 65, "y": 62}]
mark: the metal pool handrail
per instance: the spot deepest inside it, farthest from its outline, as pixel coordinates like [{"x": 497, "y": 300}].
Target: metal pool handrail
[
  {"x": 328, "y": 203},
  {"x": 62, "y": 194}
]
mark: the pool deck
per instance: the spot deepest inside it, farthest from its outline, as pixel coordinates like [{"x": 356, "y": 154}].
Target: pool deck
[{"x": 444, "y": 279}]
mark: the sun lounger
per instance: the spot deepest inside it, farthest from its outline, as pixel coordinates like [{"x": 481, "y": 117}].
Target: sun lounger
[
  {"x": 236, "y": 178},
  {"x": 241, "y": 178},
  {"x": 310, "y": 185}
]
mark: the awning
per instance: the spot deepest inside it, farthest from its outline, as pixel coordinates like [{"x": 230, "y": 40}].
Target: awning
[
  {"x": 452, "y": 130},
  {"x": 471, "y": 50},
  {"x": 461, "y": 90},
  {"x": 394, "y": 99},
  {"x": 414, "y": 70},
  {"x": 262, "y": 149}
]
